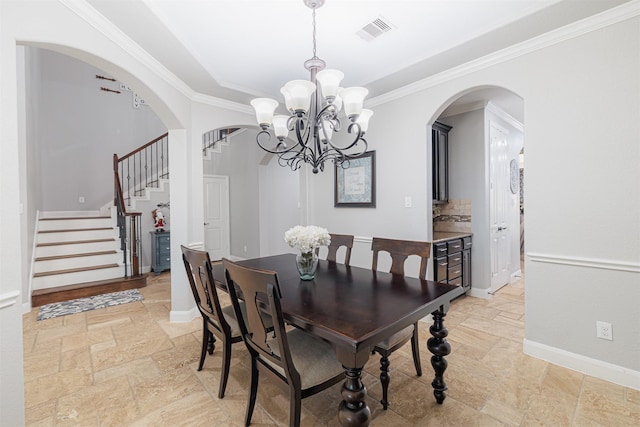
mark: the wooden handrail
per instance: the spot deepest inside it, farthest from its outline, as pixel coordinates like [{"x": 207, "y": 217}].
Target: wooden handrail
[
  {"x": 133, "y": 218},
  {"x": 137, "y": 150}
]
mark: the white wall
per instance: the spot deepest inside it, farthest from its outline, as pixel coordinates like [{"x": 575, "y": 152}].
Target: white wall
[
  {"x": 77, "y": 120},
  {"x": 581, "y": 106}
]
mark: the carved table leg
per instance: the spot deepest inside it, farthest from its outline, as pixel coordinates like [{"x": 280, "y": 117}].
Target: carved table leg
[
  {"x": 353, "y": 409},
  {"x": 439, "y": 346}
]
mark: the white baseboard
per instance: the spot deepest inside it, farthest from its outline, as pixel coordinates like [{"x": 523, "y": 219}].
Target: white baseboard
[
  {"x": 515, "y": 276},
  {"x": 26, "y": 307},
  {"x": 183, "y": 316},
  {"x": 593, "y": 367},
  {"x": 478, "y": 293}
]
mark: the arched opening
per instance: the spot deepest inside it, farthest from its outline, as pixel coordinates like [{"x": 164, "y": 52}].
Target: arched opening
[
  {"x": 82, "y": 111},
  {"x": 476, "y": 172},
  {"x": 263, "y": 197}
]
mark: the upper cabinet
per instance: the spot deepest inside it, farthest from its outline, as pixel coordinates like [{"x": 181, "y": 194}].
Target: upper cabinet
[{"x": 440, "y": 167}]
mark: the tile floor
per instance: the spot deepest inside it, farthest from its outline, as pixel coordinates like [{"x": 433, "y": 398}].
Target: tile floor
[{"x": 128, "y": 365}]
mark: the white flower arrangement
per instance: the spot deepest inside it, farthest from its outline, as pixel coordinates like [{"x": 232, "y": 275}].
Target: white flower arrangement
[{"x": 308, "y": 238}]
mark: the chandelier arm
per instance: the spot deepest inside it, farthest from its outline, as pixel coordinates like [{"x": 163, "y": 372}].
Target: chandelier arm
[
  {"x": 269, "y": 139},
  {"x": 358, "y": 137},
  {"x": 280, "y": 144}
]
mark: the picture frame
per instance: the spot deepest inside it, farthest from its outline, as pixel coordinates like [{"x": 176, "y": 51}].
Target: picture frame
[{"x": 355, "y": 184}]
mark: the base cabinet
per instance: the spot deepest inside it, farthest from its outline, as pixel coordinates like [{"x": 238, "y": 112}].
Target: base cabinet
[
  {"x": 452, "y": 261},
  {"x": 160, "y": 251}
]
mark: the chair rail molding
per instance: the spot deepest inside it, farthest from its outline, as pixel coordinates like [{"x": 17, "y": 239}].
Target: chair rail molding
[
  {"x": 8, "y": 299},
  {"x": 602, "y": 264}
]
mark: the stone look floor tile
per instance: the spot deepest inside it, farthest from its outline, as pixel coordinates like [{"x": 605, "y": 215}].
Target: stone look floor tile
[{"x": 128, "y": 365}]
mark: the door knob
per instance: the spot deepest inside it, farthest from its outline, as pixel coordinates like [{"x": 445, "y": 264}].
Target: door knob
[{"x": 206, "y": 223}]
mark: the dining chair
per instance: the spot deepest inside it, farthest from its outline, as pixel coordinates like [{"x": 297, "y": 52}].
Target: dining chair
[
  {"x": 218, "y": 321},
  {"x": 399, "y": 250},
  {"x": 338, "y": 241},
  {"x": 298, "y": 361}
]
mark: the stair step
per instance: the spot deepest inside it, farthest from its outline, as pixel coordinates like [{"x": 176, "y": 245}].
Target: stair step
[
  {"x": 74, "y": 230},
  {"x": 78, "y": 234},
  {"x": 59, "y": 218},
  {"x": 87, "y": 289},
  {"x": 76, "y": 242},
  {"x": 74, "y": 270},
  {"x": 50, "y": 258},
  {"x": 71, "y": 223}
]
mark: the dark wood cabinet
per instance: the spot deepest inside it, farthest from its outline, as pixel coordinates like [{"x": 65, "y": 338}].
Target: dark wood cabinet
[
  {"x": 452, "y": 261},
  {"x": 440, "y": 162}
]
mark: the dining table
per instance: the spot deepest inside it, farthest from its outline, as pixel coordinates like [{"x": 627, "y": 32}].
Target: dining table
[{"x": 354, "y": 309}]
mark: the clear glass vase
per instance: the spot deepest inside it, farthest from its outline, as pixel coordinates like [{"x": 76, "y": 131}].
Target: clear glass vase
[{"x": 307, "y": 263}]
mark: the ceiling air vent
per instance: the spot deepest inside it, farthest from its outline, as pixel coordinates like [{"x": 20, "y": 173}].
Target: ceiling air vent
[{"x": 375, "y": 28}]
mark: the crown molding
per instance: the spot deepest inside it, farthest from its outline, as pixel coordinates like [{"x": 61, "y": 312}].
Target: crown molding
[
  {"x": 576, "y": 29},
  {"x": 222, "y": 103},
  {"x": 89, "y": 14}
]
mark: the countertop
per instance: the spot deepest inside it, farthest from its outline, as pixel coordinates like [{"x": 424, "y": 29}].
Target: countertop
[{"x": 441, "y": 236}]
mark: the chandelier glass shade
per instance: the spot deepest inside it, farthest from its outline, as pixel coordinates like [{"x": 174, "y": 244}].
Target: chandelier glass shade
[{"x": 314, "y": 107}]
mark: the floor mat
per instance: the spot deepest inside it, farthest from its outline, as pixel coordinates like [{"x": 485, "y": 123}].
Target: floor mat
[{"x": 79, "y": 305}]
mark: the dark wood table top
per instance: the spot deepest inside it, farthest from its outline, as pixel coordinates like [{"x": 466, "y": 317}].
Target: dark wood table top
[{"x": 353, "y": 308}]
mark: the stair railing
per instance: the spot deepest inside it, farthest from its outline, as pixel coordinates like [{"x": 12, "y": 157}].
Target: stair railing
[
  {"x": 213, "y": 137},
  {"x": 129, "y": 230},
  {"x": 143, "y": 167},
  {"x": 133, "y": 172}
]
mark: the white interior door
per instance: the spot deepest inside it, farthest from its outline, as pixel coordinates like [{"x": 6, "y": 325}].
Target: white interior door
[
  {"x": 216, "y": 216},
  {"x": 499, "y": 204}
]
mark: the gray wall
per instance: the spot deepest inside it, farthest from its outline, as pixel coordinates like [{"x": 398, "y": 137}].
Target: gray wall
[
  {"x": 263, "y": 198},
  {"x": 79, "y": 128},
  {"x": 581, "y": 105},
  {"x": 468, "y": 174}
]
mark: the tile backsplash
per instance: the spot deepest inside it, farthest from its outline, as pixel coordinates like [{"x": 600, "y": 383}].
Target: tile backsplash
[{"x": 452, "y": 216}]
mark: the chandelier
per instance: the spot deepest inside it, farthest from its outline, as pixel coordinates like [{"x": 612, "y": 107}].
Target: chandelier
[{"x": 313, "y": 115}]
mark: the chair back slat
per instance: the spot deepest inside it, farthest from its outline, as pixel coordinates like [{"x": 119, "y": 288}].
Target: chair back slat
[
  {"x": 260, "y": 291},
  {"x": 338, "y": 241},
  {"x": 200, "y": 274},
  {"x": 400, "y": 250}
]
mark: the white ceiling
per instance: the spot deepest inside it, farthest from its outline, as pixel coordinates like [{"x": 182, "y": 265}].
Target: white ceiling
[{"x": 240, "y": 49}]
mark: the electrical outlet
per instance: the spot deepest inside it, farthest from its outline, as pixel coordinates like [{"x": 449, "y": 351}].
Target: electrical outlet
[
  {"x": 604, "y": 331},
  {"x": 407, "y": 201},
  {"x": 81, "y": 199}
]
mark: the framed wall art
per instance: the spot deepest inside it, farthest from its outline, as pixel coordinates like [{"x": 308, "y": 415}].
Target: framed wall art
[{"x": 355, "y": 182}]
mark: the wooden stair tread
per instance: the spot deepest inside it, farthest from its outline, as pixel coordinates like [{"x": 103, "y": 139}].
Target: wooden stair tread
[
  {"x": 49, "y": 258},
  {"x": 59, "y": 218},
  {"x": 75, "y": 242},
  {"x": 82, "y": 290},
  {"x": 74, "y": 270},
  {"x": 75, "y": 230}
]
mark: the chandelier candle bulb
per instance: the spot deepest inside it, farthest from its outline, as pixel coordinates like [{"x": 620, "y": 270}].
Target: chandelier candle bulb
[
  {"x": 264, "y": 110},
  {"x": 299, "y": 93},
  {"x": 363, "y": 119},
  {"x": 352, "y": 100},
  {"x": 281, "y": 126},
  {"x": 329, "y": 83}
]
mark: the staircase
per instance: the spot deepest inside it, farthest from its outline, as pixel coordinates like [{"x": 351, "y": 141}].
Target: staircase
[{"x": 78, "y": 256}]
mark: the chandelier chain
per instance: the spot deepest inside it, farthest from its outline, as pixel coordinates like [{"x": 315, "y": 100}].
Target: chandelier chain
[{"x": 313, "y": 14}]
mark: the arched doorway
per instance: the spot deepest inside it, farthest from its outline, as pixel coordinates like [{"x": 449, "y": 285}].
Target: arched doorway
[{"x": 484, "y": 141}]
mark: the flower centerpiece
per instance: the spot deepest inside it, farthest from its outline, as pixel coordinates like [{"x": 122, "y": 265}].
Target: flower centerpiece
[{"x": 307, "y": 240}]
